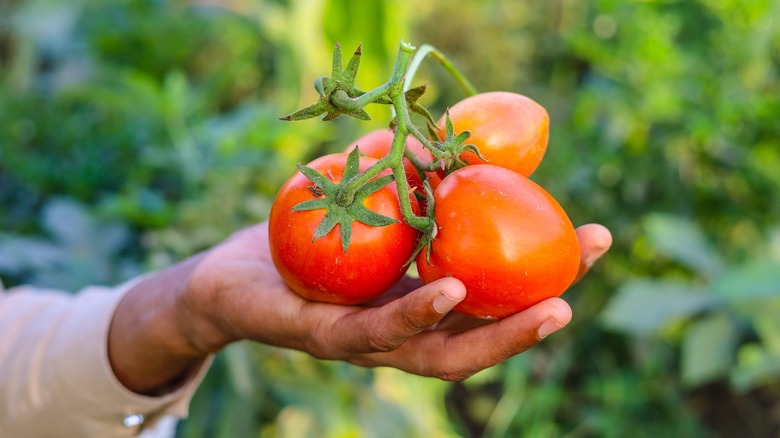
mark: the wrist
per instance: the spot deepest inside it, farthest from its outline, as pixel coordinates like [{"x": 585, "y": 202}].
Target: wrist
[
  {"x": 196, "y": 311},
  {"x": 149, "y": 346}
]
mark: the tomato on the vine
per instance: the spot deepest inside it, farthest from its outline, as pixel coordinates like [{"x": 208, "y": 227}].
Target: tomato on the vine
[
  {"x": 504, "y": 237},
  {"x": 319, "y": 269},
  {"x": 509, "y": 129},
  {"x": 377, "y": 144}
]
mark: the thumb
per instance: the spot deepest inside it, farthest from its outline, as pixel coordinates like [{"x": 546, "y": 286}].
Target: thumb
[{"x": 387, "y": 327}]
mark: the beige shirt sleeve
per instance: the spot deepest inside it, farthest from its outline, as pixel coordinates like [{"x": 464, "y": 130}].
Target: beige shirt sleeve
[{"x": 55, "y": 378}]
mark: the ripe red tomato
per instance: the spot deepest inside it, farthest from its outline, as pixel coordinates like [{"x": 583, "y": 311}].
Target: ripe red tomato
[
  {"x": 509, "y": 129},
  {"x": 377, "y": 144},
  {"x": 504, "y": 237},
  {"x": 319, "y": 269}
]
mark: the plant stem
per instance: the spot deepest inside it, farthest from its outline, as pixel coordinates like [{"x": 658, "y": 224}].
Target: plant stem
[
  {"x": 342, "y": 100},
  {"x": 399, "y": 149},
  {"x": 393, "y": 160},
  {"x": 420, "y": 164},
  {"x": 427, "y": 49},
  {"x": 347, "y": 194}
]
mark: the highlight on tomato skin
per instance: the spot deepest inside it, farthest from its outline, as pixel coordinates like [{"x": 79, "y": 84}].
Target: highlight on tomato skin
[
  {"x": 319, "y": 269},
  {"x": 504, "y": 237},
  {"x": 509, "y": 129}
]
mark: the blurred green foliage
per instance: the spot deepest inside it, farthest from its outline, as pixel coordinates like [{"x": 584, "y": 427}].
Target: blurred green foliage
[{"x": 135, "y": 133}]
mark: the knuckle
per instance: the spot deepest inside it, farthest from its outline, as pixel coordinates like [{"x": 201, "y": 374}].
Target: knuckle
[
  {"x": 452, "y": 374},
  {"x": 414, "y": 323},
  {"x": 444, "y": 368},
  {"x": 381, "y": 341}
]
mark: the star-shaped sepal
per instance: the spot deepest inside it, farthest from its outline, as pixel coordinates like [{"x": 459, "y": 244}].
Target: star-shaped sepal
[
  {"x": 341, "y": 83},
  {"x": 326, "y": 192},
  {"x": 449, "y": 150}
]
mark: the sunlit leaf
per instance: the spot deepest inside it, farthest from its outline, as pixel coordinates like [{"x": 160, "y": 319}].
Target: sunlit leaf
[
  {"x": 753, "y": 281},
  {"x": 683, "y": 241},
  {"x": 645, "y": 306},
  {"x": 708, "y": 349}
]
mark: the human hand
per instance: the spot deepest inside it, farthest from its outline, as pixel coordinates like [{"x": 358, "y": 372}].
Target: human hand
[
  {"x": 236, "y": 288},
  {"x": 173, "y": 319}
]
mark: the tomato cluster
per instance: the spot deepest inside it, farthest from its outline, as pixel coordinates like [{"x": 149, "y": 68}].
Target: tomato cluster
[{"x": 501, "y": 234}]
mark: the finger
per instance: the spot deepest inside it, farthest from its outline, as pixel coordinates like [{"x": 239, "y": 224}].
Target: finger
[
  {"x": 387, "y": 327},
  {"x": 456, "y": 322},
  {"x": 594, "y": 240},
  {"x": 400, "y": 289},
  {"x": 455, "y": 357}
]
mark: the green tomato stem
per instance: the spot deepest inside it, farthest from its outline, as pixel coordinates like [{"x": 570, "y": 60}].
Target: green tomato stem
[
  {"x": 347, "y": 194},
  {"x": 427, "y": 49},
  {"x": 342, "y": 99},
  {"x": 397, "y": 151},
  {"x": 393, "y": 160},
  {"x": 421, "y": 223},
  {"x": 418, "y": 163}
]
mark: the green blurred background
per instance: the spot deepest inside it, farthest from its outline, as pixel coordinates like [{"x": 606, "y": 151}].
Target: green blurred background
[{"x": 135, "y": 133}]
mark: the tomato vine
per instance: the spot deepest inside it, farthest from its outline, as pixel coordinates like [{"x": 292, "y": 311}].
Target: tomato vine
[{"x": 339, "y": 96}]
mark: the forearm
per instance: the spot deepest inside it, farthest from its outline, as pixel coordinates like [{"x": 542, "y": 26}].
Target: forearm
[
  {"x": 55, "y": 376},
  {"x": 150, "y": 346}
]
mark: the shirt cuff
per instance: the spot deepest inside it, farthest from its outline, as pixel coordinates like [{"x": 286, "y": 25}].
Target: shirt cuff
[{"x": 80, "y": 350}]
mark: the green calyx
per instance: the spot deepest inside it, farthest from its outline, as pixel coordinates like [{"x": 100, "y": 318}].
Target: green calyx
[
  {"x": 338, "y": 94},
  {"x": 449, "y": 150},
  {"x": 327, "y": 192}
]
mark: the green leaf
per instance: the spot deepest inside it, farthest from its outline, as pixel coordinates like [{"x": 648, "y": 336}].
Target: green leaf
[
  {"x": 708, "y": 349},
  {"x": 767, "y": 325},
  {"x": 644, "y": 306},
  {"x": 682, "y": 240},
  {"x": 759, "y": 280}
]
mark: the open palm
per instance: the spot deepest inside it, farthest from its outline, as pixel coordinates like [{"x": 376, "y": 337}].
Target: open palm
[{"x": 237, "y": 289}]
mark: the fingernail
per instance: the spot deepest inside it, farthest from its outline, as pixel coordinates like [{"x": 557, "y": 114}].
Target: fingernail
[
  {"x": 595, "y": 255},
  {"x": 547, "y": 328},
  {"x": 444, "y": 303},
  {"x": 589, "y": 261}
]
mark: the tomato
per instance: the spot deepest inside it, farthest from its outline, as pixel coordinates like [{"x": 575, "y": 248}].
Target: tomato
[
  {"x": 509, "y": 129},
  {"x": 504, "y": 237},
  {"x": 320, "y": 270},
  {"x": 377, "y": 144}
]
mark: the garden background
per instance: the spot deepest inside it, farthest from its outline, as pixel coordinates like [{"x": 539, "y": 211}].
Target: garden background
[{"x": 135, "y": 133}]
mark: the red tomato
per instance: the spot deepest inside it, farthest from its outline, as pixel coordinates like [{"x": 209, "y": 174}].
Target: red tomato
[
  {"x": 504, "y": 237},
  {"x": 319, "y": 270},
  {"x": 377, "y": 144},
  {"x": 509, "y": 129}
]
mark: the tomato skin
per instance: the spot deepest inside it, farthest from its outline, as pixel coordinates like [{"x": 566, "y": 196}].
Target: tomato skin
[
  {"x": 509, "y": 129},
  {"x": 504, "y": 237},
  {"x": 319, "y": 270},
  {"x": 377, "y": 144}
]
